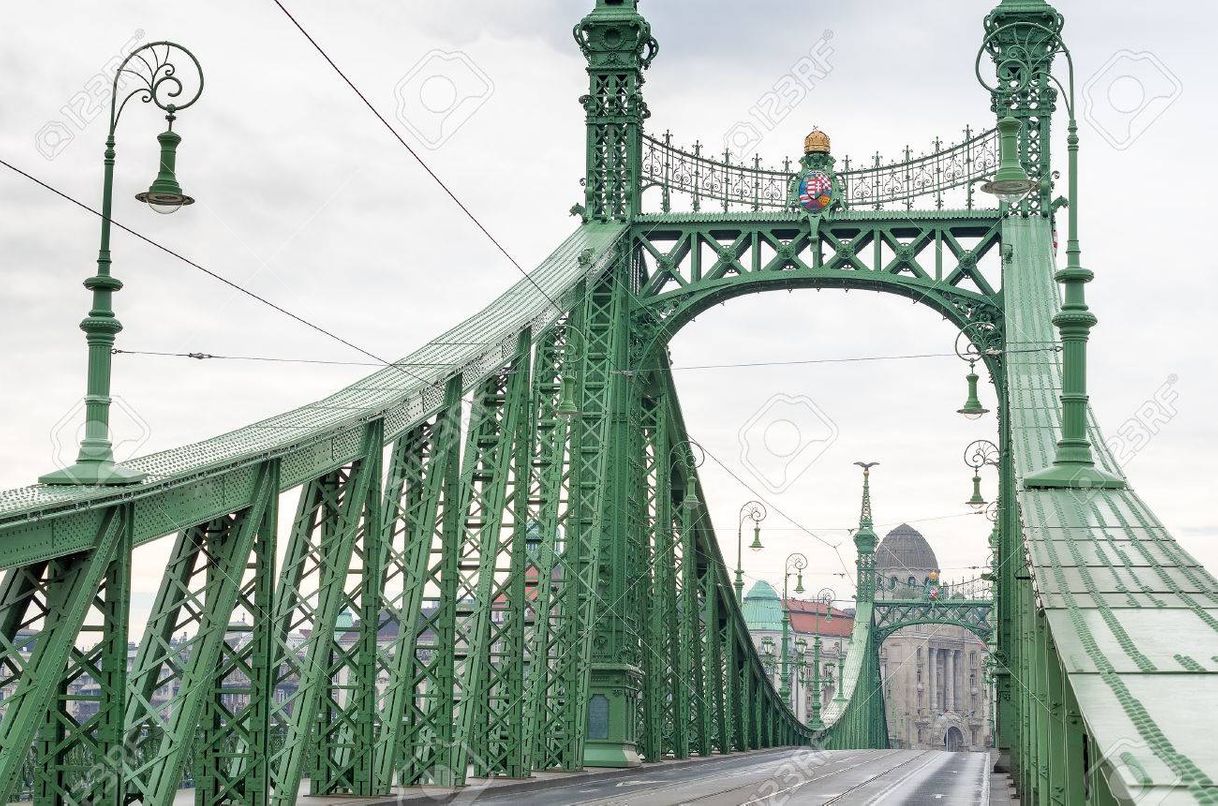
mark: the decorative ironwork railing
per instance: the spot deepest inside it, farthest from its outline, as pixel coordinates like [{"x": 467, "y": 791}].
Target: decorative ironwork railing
[
  {"x": 893, "y": 588},
  {"x": 945, "y": 175}
]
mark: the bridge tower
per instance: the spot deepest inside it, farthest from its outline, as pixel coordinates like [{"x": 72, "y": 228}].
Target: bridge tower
[
  {"x": 617, "y": 42},
  {"x": 1022, "y": 38}
]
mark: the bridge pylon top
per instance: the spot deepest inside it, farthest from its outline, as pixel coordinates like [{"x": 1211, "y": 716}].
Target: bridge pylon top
[{"x": 865, "y": 538}]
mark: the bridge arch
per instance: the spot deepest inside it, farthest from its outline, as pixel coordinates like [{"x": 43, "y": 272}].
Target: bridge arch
[{"x": 928, "y": 258}]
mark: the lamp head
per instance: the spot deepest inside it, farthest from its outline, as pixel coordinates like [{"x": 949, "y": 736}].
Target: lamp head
[
  {"x": 756, "y": 544},
  {"x": 972, "y": 408},
  {"x": 691, "y": 501},
  {"x": 1012, "y": 182},
  {"x": 567, "y": 409},
  {"x": 978, "y": 500},
  {"x": 165, "y": 195}
]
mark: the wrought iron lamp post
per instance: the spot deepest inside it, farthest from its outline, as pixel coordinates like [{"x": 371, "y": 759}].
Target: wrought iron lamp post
[
  {"x": 1074, "y": 465},
  {"x": 767, "y": 656},
  {"x": 979, "y": 454},
  {"x": 841, "y": 674},
  {"x": 153, "y": 66},
  {"x": 755, "y": 511},
  {"x": 801, "y": 672},
  {"x": 827, "y": 597},
  {"x": 689, "y": 455},
  {"x": 968, "y": 349},
  {"x": 795, "y": 565}
]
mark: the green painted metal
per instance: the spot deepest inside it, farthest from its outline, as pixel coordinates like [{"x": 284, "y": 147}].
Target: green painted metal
[
  {"x": 154, "y": 67},
  {"x": 234, "y": 744},
  {"x": 52, "y": 600},
  {"x": 335, "y": 513},
  {"x": 533, "y": 581},
  {"x": 82, "y": 757}
]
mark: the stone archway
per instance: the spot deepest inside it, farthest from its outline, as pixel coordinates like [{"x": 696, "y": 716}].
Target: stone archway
[{"x": 953, "y": 740}]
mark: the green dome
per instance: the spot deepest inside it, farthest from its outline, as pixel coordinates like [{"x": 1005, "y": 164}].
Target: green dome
[{"x": 762, "y": 608}]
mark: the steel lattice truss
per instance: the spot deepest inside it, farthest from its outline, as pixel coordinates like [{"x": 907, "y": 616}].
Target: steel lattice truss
[
  {"x": 974, "y": 615},
  {"x": 501, "y": 557}
]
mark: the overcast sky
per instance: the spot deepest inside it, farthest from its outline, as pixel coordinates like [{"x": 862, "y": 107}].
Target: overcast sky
[{"x": 305, "y": 199}]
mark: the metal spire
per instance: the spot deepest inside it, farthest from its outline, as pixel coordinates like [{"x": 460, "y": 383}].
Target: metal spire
[{"x": 865, "y": 520}]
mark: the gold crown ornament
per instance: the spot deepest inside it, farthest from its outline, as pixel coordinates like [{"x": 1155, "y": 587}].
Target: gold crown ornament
[{"x": 816, "y": 143}]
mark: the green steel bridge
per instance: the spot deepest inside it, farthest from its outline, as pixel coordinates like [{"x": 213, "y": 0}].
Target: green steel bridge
[{"x": 517, "y": 502}]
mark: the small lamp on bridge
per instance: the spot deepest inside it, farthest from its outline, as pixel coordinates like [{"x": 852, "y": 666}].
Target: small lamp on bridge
[
  {"x": 978, "y": 500},
  {"x": 165, "y": 195},
  {"x": 799, "y": 582},
  {"x": 756, "y": 544},
  {"x": 972, "y": 408},
  {"x": 1011, "y": 183},
  {"x": 567, "y": 409},
  {"x": 690, "y": 501}
]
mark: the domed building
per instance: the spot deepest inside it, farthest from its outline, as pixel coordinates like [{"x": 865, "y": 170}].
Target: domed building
[
  {"x": 906, "y": 557},
  {"x": 935, "y": 694}
]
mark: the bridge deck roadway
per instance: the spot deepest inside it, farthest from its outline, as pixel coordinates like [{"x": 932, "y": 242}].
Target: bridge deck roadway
[{"x": 786, "y": 777}]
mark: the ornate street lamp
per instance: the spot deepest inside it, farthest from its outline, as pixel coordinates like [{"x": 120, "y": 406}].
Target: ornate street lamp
[
  {"x": 801, "y": 673},
  {"x": 689, "y": 455},
  {"x": 1011, "y": 183},
  {"x": 841, "y": 673},
  {"x": 795, "y": 565},
  {"x": 1018, "y": 66},
  {"x": 155, "y": 68},
  {"x": 825, "y": 597},
  {"x": 980, "y": 453},
  {"x": 755, "y": 511},
  {"x": 567, "y": 408},
  {"x": 767, "y": 655},
  {"x": 968, "y": 350}
]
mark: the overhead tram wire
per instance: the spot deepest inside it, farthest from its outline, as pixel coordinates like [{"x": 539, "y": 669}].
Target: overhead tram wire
[
  {"x": 286, "y": 360},
  {"x": 835, "y": 546},
  {"x": 381, "y": 362},
  {"x": 452, "y": 195}
]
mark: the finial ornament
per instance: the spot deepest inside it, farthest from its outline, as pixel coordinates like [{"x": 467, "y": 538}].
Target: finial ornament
[
  {"x": 817, "y": 142},
  {"x": 865, "y": 514}
]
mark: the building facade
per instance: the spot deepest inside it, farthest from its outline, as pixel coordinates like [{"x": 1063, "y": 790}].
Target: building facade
[
  {"x": 936, "y": 693},
  {"x": 763, "y": 612}
]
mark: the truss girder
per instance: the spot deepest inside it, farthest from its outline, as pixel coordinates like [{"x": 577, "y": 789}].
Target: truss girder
[
  {"x": 549, "y": 504},
  {"x": 42, "y": 609},
  {"x": 336, "y": 512},
  {"x": 416, "y": 483},
  {"x": 974, "y": 615},
  {"x": 694, "y": 262},
  {"x": 174, "y": 670}
]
